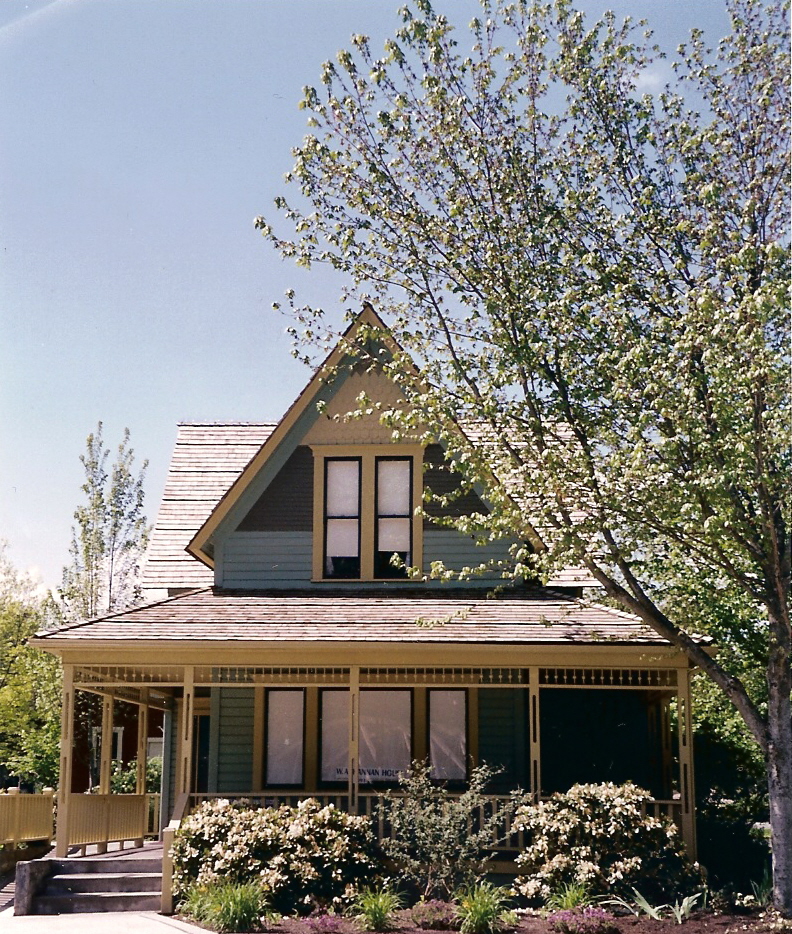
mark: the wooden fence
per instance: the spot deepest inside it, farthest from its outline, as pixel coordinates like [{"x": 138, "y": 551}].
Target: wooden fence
[{"x": 24, "y": 818}]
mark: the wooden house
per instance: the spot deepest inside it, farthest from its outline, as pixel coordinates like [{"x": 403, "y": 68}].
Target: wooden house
[{"x": 293, "y": 657}]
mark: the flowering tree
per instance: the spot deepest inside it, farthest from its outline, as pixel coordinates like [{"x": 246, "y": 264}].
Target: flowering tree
[
  {"x": 596, "y": 278},
  {"x": 110, "y": 538}
]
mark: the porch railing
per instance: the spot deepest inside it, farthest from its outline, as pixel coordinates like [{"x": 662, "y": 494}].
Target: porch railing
[
  {"x": 24, "y": 818},
  {"x": 107, "y": 818}
]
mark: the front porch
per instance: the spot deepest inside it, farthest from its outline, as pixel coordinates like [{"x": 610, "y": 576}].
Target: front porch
[{"x": 341, "y": 733}]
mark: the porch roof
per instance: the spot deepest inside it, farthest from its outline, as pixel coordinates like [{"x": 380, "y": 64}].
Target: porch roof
[{"x": 214, "y": 615}]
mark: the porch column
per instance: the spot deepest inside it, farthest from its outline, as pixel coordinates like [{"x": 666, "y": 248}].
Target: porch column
[
  {"x": 142, "y": 751},
  {"x": 534, "y": 749},
  {"x": 66, "y": 751},
  {"x": 142, "y": 742},
  {"x": 106, "y": 757},
  {"x": 686, "y": 783},
  {"x": 186, "y": 733},
  {"x": 354, "y": 737}
]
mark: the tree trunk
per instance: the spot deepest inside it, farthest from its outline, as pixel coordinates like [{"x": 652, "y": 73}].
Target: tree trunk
[{"x": 779, "y": 760}]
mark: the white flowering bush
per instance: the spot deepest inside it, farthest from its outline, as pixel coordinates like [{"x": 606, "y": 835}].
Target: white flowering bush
[
  {"x": 302, "y": 857},
  {"x": 598, "y": 836}
]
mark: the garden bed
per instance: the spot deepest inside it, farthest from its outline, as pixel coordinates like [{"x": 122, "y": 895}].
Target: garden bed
[{"x": 701, "y": 923}]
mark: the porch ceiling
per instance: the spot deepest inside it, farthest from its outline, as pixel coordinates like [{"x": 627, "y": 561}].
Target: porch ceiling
[{"x": 212, "y": 616}]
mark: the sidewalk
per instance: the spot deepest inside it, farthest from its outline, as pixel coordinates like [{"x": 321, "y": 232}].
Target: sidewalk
[{"x": 117, "y": 922}]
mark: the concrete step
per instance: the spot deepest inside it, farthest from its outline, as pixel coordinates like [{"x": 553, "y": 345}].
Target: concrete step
[
  {"x": 104, "y": 882},
  {"x": 78, "y": 903},
  {"x": 62, "y": 867}
]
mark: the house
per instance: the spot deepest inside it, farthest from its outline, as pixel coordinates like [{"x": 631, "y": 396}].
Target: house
[{"x": 292, "y": 656}]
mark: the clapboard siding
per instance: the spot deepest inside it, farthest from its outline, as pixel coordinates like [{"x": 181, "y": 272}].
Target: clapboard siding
[
  {"x": 502, "y": 736},
  {"x": 457, "y": 551},
  {"x": 266, "y": 559},
  {"x": 235, "y": 740}
]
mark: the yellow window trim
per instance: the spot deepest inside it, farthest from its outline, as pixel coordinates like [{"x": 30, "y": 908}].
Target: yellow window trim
[{"x": 368, "y": 453}]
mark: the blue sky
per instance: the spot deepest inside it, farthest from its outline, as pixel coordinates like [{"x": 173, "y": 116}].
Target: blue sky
[{"x": 139, "y": 140}]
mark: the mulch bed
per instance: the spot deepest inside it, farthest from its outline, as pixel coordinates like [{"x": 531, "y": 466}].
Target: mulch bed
[{"x": 700, "y": 923}]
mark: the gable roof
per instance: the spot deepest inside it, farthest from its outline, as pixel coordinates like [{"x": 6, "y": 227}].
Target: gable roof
[
  {"x": 199, "y": 546},
  {"x": 214, "y": 615},
  {"x": 206, "y": 460}
]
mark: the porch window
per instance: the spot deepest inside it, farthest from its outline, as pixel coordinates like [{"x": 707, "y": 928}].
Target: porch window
[
  {"x": 285, "y": 731},
  {"x": 394, "y": 516},
  {"x": 448, "y": 734},
  {"x": 342, "y": 518},
  {"x": 385, "y": 739}
]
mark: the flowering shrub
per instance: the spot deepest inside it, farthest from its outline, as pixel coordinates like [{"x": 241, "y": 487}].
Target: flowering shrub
[
  {"x": 301, "y": 857},
  {"x": 598, "y": 836},
  {"x": 588, "y": 920}
]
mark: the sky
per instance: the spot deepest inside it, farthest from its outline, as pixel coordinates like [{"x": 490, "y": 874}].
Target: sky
[{"x": 138, "y": 141}]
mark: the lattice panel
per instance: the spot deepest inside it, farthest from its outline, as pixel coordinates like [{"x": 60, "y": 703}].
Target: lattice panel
[{"x": 608, "y": 677}]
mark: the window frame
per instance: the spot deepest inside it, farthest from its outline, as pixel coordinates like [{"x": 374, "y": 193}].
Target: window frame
[
  {"x": 450, "y": 782},
  {"x": 323, "y": 783},
  {"x": 326, "y": 518},
  {"x": 368, "y": 454},
  {"x": 265, "y": 763},
  {"x": 410, "y": 515}
]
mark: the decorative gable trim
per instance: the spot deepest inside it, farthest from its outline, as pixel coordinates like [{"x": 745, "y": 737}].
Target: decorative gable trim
[{"x": 276, "y": 449}]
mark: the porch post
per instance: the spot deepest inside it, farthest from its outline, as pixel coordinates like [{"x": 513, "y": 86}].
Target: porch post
[
  {"x": 686, "y": 783},
  {"x": 142, "y": 752},
  {"x": 142, "y": 742},
  {"x": 354, "y": 737},
  {"x": 66, "y": 752},
  {"x": 106, "y": 763},
  {"x": 106, "y": 758},
  {"x": 534, "y": 746},
  {"x": 186, "y": 732}
]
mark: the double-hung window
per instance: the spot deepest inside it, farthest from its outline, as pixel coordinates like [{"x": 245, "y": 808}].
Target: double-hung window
[
  {"x": 364, "y": 513},
  {"x": 393, "y": 532},
  {"x": 342, "y": 518}
]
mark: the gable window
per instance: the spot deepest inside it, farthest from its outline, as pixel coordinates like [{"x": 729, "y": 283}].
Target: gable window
[
  {"x": 394, "y": 516},
  {"x": 342, "y": 518},
  {"x": 364, "y": 504}
]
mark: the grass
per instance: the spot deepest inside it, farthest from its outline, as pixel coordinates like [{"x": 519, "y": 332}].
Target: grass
[{"x": 229, "y": 907}]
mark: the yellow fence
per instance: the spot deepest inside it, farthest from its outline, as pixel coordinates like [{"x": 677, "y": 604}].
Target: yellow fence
[
  {"x": 26, "y": 817},
  {"x": 107, "y": 818}
]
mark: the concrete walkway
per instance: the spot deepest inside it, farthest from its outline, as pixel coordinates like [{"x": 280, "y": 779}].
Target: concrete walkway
[{"x": 110, "y": 922}]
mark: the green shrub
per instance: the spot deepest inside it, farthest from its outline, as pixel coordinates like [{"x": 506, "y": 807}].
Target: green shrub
[
  {"x": 374, "y": 908},
  {"x": 569, "y": 895},
  {"x": 440, "y": 841},
  {"x": 598, "y": 836},
  {"x": 300, "y": 857},
  {"x": 480, "y": 908},
  {"x": 226, "y": 907}
]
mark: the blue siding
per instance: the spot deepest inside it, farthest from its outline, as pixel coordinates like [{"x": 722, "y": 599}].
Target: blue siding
[{"x": 235, "y": 740}]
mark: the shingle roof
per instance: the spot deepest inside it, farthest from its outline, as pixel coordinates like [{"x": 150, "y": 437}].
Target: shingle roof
[
  {"x": 334, "y": 616},
  {"x": 206, "y": 461}
]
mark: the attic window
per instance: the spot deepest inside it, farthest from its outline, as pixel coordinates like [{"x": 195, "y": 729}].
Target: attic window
[
  {"x": 342, "y": 518},
  {"x": 394, "y": 516},
  {"x": 364, "y": 508}
]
